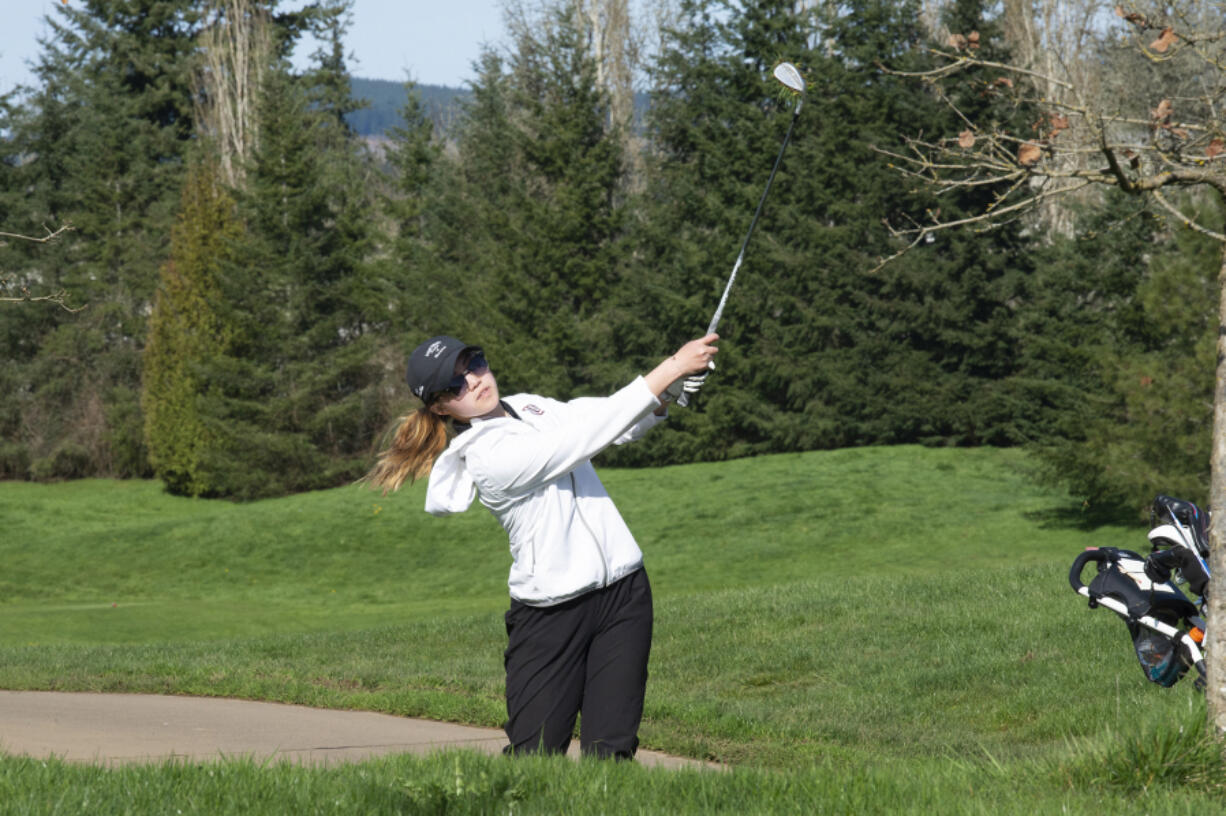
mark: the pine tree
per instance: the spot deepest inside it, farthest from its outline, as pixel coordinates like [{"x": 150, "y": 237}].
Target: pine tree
[
  {"x": 295, "y": 404},
  {"x": 101, "y": 140},
  {"x": 1129, "y": 322},
  {"x": 530, "y": 219},
  {"x": 817, "y": 352}
]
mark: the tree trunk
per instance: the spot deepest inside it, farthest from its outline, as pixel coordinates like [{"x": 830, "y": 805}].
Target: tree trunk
[{"x": 1215, "y": 639}]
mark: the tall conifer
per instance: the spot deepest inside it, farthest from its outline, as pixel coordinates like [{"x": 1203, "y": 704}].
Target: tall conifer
[
  {"x": 531, "y": 224},
  {"x": 187, "y": 331},
  {"x": 101, "y": 139}
]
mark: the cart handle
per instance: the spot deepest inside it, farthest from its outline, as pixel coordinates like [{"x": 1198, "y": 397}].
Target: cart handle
[{"x": 1074, "y": 573}]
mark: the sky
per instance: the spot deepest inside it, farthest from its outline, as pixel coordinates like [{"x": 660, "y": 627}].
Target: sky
[{"x": 434, "y": 42}]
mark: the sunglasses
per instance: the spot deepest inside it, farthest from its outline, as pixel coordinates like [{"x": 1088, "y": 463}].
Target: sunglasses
[{"x": 476, "y": 365}]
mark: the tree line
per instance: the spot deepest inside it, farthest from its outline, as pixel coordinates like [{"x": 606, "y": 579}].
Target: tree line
[{"x": 246, "y": 329}]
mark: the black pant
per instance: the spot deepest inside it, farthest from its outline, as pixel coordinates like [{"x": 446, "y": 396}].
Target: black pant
[{"x": 586, "y": 655}]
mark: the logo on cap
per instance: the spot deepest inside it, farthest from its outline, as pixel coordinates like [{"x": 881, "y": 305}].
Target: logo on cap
[{"x": 436, "y": 349}]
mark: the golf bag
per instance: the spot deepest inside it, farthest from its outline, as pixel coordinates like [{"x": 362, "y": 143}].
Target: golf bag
[{"x": 1165, "y": 626}]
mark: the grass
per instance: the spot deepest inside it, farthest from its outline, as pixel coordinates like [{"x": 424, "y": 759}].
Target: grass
[
  {"x": 872, "y": 630},
  {"x": 115, "y": 562}
]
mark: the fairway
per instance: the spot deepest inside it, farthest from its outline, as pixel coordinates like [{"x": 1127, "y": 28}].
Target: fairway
[
  {"x": 122, "y": 562},
  {"x": 855, "y": 613}
]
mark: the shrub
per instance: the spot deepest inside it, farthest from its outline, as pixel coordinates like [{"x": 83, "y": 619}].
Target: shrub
[
  {"x": 71, "y": 460},
  {"x": 14, "y": 461}
]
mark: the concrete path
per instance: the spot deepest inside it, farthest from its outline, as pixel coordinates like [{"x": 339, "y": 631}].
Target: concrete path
[{"x": 114, "y": 729}]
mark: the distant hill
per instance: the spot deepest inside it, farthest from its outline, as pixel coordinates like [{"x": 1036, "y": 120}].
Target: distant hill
[{"x": 386, "y": 98}]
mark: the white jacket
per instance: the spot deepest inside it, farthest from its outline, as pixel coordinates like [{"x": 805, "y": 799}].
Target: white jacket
[{"x": 534, "y": 475}]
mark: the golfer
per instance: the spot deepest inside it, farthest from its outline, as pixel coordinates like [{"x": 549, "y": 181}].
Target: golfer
[{"x": 579, "y": 626}]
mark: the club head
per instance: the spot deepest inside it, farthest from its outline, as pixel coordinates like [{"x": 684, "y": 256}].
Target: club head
[{"x": 786, "y": 73}]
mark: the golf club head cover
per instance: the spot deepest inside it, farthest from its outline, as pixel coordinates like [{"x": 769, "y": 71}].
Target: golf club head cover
[{"x": 1158, "y": 566}]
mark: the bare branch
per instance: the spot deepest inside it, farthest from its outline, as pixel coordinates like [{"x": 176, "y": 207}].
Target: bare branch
[
  {"x": 46, "y": 239},
  {"x": 1183, "y": 219},
  {"x": 989, "y": 218},
  {"x": 60, "y": 298},
  {"x": 959, "y": 63}
]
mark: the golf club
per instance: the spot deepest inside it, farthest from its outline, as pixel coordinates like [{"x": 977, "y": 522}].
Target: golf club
[{"x": 787, "y": 74}]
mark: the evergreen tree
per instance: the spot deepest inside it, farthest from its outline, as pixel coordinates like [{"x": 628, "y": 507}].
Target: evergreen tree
[
  {"x": 529, "y": 220},
  {"x": 818, "y": 353},
  {"x": 100, "y": 141},
  {"x": 413, "y": 155},
  {"x": 294, "y": 404},
  {"x": 409, "y": 269},
  {"x": 1132, "y": 323},
  {"x": 186, "y": 331}
]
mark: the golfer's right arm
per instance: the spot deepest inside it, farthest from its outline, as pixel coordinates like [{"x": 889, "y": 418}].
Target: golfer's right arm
[{"x": 513, "y": 464}]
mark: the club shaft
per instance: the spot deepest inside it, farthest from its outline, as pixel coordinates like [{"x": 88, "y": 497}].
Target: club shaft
[{"x": 719, "y": 310}]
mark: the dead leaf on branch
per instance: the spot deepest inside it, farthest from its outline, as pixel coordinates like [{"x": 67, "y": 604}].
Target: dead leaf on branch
[
  {"x": 1215, "y": 147},
  {"x": 1003, "y": 81},
  {"x": 1165, "y": 40},
  {"x": 1179, "y": 132},
  {"x": 964, "y": 42},
  {"x": 966, "y": 139},
  {"x": 1029, "y": 153},
  {"x": 1132, "y": 17},
  {"x": 1055, "y": 121},
  {"x": 1163, "y": 111}
]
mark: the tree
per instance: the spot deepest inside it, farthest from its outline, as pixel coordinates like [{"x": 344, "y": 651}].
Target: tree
[
  {"x": 186, "y": 331},
  {"x": 1153, "y": 130},
  {"x": 1114, "y": 341},
  {"x": 236, "y": 50},
  {"x": 817, "y": 353},
  {"x": 17, "y": 292},
  {"x": 528, "y": 228},
  {"x": 98, "y": 145}
]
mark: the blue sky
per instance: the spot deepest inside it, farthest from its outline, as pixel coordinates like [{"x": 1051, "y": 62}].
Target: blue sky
[{"x": 434, "y": 41}]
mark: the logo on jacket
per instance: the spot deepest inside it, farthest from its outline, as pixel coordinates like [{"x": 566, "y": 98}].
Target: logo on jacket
[{"x": 532, "y": 409}]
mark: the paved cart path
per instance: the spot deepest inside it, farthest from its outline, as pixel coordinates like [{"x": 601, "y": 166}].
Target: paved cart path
[{"x": 112, "y": 729}]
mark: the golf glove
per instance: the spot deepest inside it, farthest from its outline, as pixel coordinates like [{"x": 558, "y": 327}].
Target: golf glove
[
  {"x": 673, "y": 392},
  {"x": 682, "y": 388},
  {"x": 688, "y": 386}
]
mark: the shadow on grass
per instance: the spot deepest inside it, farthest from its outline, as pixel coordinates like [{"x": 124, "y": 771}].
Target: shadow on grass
[{"x": 1084, "y": 519}]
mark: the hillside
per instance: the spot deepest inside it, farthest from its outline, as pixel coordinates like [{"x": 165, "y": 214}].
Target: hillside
[{"x": 386, "y": 98}]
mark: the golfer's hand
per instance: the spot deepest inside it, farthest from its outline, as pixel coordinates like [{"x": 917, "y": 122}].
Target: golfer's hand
[
  {"x": 696, "y": 356},
  {"x": 674, "y": 378}
]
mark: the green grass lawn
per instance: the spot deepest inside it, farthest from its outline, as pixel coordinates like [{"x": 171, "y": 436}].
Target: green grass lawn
[{"x": 857, "y": 631}]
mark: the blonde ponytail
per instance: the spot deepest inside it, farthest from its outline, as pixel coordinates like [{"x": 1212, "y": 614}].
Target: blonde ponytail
[{"x": 420, "y": 439}]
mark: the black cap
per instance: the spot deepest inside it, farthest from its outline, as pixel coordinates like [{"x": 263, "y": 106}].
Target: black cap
[{"x": 432, "y": 365}]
